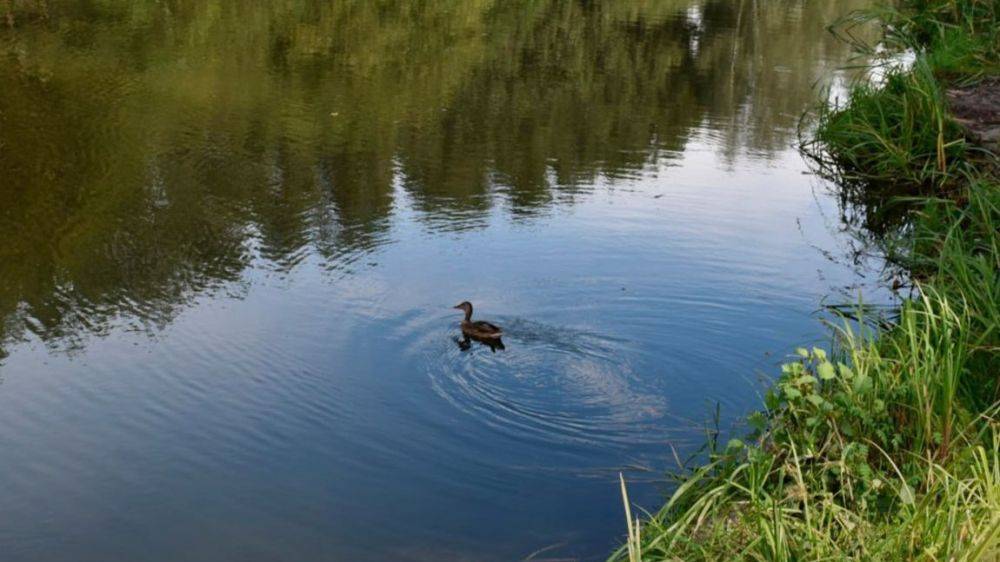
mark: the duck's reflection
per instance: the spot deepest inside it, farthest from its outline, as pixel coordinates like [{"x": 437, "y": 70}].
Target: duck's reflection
[{"x": 465, "y": 343}]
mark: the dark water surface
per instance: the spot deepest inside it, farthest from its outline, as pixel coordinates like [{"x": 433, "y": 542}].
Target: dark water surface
[{"x": 231, "y": 233}]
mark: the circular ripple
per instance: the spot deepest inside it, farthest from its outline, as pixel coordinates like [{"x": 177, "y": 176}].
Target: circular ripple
[{"x": 559, "y": 385}]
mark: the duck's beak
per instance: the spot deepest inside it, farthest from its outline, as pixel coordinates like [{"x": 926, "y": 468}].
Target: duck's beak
[{"x": 458, "y": 306}]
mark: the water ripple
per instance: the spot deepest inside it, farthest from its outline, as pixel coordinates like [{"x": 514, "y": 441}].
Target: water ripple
[{"x": 555, "y": 384}]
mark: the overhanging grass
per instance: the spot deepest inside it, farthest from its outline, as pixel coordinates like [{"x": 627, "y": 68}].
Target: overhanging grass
[{"x": 888, "y": 448}]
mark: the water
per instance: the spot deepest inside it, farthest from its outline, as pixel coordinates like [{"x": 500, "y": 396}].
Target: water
[{"x": 232, "y": 234}]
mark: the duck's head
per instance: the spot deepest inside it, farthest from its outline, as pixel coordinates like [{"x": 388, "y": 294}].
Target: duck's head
[{"x": 466, "y": 306}]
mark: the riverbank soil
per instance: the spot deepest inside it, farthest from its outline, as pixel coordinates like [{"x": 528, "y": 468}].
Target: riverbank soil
[{"x": 977, "y": 109}]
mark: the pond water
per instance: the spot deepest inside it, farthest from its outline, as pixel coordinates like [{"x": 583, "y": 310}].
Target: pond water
[{"x": 231, "y": 234}]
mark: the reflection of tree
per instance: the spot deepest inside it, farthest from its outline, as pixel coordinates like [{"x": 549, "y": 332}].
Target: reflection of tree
[{"x": 149, "y": 151}]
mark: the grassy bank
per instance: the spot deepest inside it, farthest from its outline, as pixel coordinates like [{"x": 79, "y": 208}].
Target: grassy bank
[{"x": 886, "y": 447}]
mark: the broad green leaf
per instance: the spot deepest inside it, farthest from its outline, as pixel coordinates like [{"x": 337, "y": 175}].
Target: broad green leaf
[
  {"x": 806, "y": 379},
  {"x": 771, "y": 400},
  {"x": 825, "y": 371},
  {"x": 906, "y": 494},
  {"x": 862, "y": 383},
  {"x": 845, "y": 371},
  {"x": 816, "y": 399}
]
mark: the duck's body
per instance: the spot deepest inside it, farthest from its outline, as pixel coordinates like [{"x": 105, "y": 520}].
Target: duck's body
[
  {"x": 481, "y": 329},
  {"x": 478, "y": 329}
]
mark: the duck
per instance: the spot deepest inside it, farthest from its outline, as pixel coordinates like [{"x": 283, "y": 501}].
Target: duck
[{"x": 478, "y": 329}]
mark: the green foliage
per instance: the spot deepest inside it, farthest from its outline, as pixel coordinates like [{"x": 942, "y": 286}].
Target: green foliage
[
  {"x": 961, "y": 36},
  {"x": 894, "y": 133},
  {"x": 888, "y": 447}
]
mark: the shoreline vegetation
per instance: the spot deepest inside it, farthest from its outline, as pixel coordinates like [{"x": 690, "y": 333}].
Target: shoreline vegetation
[{"x": 886, "y": 447}]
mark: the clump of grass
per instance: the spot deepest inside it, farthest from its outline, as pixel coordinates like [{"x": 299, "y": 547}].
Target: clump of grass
[
  {"x": 961, "y": 36},
  {"x": 888, "y": 446},
  {"x": 895, "y": 134},
  {"x": 956, "y": 246},
  {"x": 633, "y": 544},
  {"x": 891, "y": 134}
]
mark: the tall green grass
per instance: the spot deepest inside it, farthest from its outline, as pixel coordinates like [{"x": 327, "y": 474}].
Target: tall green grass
[
  {"x": 887, "y": 447},
  {"x": 896, "y": 133}
]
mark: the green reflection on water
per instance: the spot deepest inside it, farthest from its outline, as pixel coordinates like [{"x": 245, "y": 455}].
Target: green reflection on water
[{"x": 150, "y": 151}]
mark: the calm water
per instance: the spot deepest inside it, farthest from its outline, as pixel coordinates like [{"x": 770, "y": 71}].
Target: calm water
[{"x": 232, "y": 232}]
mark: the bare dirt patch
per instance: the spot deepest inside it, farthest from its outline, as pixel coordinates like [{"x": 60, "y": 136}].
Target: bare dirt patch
[{"x": 977, "y": 108}]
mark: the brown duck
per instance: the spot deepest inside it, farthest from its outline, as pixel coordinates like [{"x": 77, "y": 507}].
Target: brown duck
[{"x": 478, "y": 329}]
